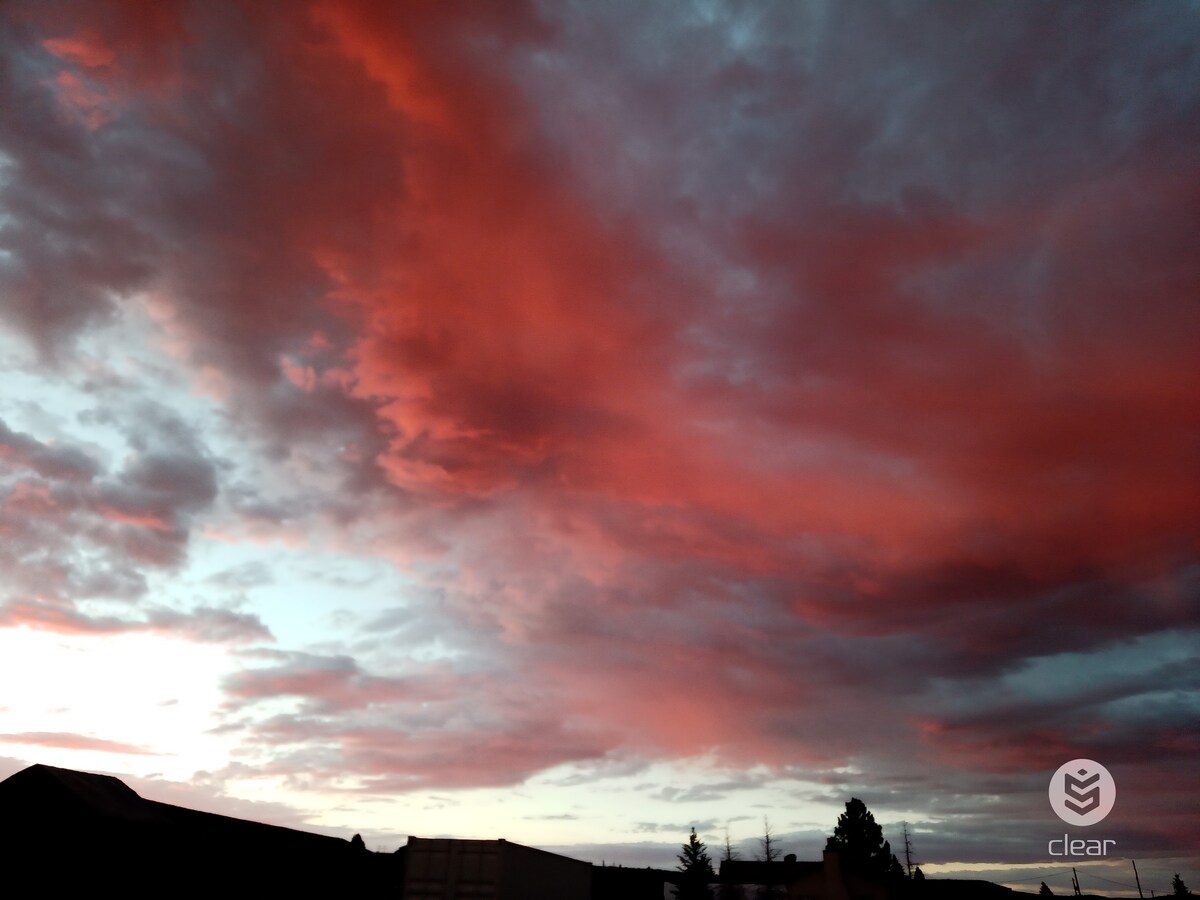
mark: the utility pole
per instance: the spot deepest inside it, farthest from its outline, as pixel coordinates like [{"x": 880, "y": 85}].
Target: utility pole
[
  {"x": 907, "y": 852},
  {"x": 1135, "y": 878}
]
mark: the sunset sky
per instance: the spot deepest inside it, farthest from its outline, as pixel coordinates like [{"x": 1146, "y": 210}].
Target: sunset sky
[{"x": 575, "y": 422}]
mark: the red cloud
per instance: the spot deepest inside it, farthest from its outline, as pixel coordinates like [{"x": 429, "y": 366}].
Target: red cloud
[
  {"x": 332, "y": 684},
  {"x": 803, "y": 393},
  {"x": 85, "y": 49},
  {"x": 205, "y": 624},
  {"x": 66, "y": 741}
]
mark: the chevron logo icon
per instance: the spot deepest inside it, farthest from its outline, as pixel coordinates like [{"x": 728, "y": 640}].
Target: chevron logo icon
[
  {"x": 1082, "y": 792},
  {"x": 1085, "y": 787}
]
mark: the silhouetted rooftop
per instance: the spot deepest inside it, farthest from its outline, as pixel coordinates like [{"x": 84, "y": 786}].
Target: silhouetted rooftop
[
  {"x": 50, "y": 815},
  {"x": 45, "y": 788},
  {"x": 754, "y": 871}
]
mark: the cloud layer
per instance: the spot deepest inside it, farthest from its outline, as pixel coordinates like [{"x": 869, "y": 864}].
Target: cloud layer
[{"x": 790, "y": 386}]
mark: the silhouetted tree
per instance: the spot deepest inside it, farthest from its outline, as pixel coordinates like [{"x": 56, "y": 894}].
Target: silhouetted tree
[
  {"x": 859, "y": 839},
  {"x": 895, "y": 871},
  {"x": 1178, "y": 888},
  {"x": 908, "y": 862},
  {"x": 729, "y": 891},
  {"x": 770, "y": 854},
  {"x": 918, "y": 875},
  {"x": 697, "y": 870},
  {"x": 1045, "y": 891}
]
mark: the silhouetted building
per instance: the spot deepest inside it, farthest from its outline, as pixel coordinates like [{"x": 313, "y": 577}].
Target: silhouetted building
[
  {"x": 961, "y": 889},
  {"x": 451, "y": 869},
  {"x": 794, "y": 880},
  {"x": 74, "y": 832},
  {"x": 623, "y": 883},
  {"x": 830, "y": 880},
  {"x": 71, "y": 829}
]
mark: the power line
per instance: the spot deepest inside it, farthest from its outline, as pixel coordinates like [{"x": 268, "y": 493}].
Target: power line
[
  {"x": 1124, "y": 884},
  {"x": 1041, "y": 877}
]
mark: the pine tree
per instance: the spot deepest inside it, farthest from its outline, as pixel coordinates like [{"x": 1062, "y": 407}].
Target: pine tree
[
  {"x": 697, "y": 870},
  {"x": 1045, "y": 891},
  {"x": 1179, "y": 888},
  {"x": 859, "y": 840}
]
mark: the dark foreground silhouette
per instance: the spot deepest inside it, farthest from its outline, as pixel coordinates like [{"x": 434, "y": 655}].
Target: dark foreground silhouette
[
  {"x": 69, "y": 830},
  {"x": 63, "y": 831}
]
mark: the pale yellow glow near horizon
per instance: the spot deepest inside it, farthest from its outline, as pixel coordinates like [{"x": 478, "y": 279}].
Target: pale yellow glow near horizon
[{"x": 153, "y": 693}]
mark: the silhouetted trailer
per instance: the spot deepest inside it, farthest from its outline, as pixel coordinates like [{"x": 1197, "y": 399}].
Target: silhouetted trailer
[{"x": 448, "y": 869}]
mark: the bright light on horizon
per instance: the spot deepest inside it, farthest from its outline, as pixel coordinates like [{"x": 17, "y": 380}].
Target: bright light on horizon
[{"x": 155, "y": 694}]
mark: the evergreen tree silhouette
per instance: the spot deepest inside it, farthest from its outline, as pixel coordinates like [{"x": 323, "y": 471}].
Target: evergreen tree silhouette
[
  {"x": 697, "y": 870},
  {"x": 859, "y": 840},
  {"x": 1045, "y": 891},
  {"x": 1178, "y": 888}
]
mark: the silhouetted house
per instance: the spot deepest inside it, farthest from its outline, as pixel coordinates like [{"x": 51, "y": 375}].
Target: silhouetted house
[
  {"x": 75, "y": 832},
  {"x": 76, "y": 829},
  {"x": 961, "y": 889},
  {"x": 794, "y": 880},
  {"x": 452, "y": 869},
  {"x": 829, "y": 880},
  {"x": 622, "y": 883}
]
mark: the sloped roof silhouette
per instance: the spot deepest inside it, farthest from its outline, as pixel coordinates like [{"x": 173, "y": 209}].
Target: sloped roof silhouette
[
  {"x": 81, "y": 829},
  {"x": 44, "y": 789}
]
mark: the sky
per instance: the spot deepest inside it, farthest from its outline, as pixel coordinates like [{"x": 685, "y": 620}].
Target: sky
[{"x": 578, "y": 422}]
